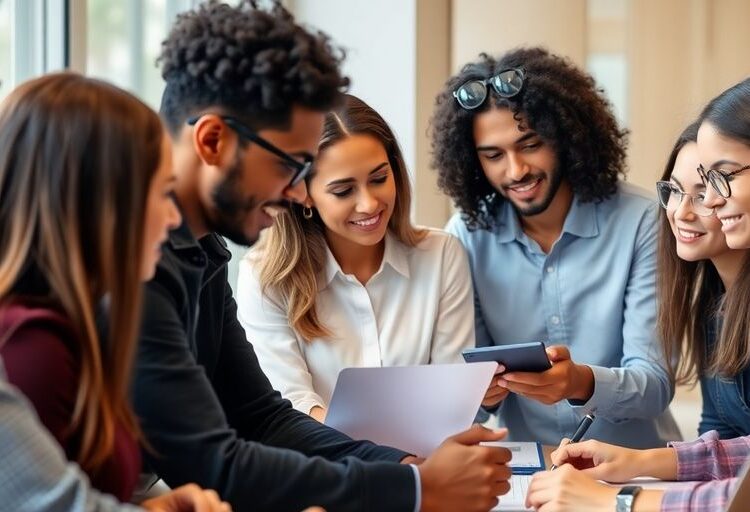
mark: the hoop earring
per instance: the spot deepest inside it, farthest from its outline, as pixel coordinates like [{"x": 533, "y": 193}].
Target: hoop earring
[{"x": 307, "y": 212}]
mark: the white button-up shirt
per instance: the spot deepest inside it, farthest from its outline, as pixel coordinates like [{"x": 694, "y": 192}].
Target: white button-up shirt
[{"x": 417, "y": 309}]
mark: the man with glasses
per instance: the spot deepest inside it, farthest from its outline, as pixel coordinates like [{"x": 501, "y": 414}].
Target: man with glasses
[
  {"x": 561, "y": 251},
  {"x": 246, "y": 95}
]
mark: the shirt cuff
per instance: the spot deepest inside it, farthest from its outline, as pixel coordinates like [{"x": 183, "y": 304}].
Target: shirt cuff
[
  {"x": 677, "y": 498},
  {"x": 605, "y": 391},
  {"x": 418, "y": 482},
  {"x": 693, "y": 457}
]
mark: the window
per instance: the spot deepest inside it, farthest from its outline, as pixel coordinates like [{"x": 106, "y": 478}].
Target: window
[
  {"x": 5, "y": 49},
  {"x": 123, "y": 40}
]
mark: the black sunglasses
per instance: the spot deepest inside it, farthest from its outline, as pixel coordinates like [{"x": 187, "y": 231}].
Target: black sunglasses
[
  {"x": 301, "y": 169},
  {"x": 507, "y": 83}
]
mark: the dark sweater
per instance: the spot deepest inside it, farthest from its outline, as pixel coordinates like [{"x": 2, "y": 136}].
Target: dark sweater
[{"x": 40, "y": 359}]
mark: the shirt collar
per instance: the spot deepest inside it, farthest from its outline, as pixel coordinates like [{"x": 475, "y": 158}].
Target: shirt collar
[
  {"x": 395, "y": 256},
  {"x": 182, "y": 240},
  {"x": 581, "y": 221}
]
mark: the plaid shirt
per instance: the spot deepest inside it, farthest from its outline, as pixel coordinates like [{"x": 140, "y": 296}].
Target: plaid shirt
[{"x": 715, "y": 463}]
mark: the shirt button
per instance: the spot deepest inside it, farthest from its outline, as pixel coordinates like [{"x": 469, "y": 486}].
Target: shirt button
[
  {"x": 555, "y": 319},
  {"x": 550, "y": 270}
]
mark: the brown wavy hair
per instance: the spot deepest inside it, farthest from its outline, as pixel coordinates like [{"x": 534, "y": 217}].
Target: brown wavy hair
[
  {"x": 558, "y": 101},
  {"x": 294, "y": 248},
  {"x": 76, "y": 160}
]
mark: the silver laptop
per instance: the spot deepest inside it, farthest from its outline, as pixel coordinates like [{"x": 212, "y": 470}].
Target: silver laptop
[{"x": 413, "y": 408}]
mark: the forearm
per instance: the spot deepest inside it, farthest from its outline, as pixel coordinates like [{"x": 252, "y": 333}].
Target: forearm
[
  {"x": 660, "y": 463},
  {"x": 629, "y": 392},
  {"x": 648, "y": 500}
]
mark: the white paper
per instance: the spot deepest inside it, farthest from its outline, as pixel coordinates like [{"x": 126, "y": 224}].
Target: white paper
[
  {"x": 413, "y": 408},
  {"x": 514, "y": 500}
]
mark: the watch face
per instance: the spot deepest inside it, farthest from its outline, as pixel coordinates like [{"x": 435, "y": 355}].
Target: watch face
[{"x": 626, "y": 496}]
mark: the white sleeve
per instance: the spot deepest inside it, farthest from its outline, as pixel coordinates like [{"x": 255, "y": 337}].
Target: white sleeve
[
  {"x": 454, "y": 325},
  {"x": 274, "y": 340}
]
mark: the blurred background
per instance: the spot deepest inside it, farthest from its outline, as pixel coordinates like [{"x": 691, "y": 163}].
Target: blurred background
[{"x": 658, "y": 62}]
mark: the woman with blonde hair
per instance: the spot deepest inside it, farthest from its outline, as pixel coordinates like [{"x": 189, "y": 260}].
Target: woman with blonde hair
[
  {"x": 346, "y": 279},
  {"x": 85, "y": 203}
]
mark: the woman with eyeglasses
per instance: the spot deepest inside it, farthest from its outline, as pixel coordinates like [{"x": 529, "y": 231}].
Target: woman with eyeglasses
[
  {"x": 85, "y": 203},
  {"x": 696, "y": 273},
  {"x": 346, "y": 279},
  {"x": 720, "y": 353}
]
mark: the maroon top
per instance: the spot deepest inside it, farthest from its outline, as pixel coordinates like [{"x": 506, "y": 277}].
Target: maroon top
[{"x": 39, "y": 355}]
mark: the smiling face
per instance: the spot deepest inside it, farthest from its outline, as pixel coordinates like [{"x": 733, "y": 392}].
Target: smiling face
[
  {"x": 518, "y": 164},
  {"x": 697, "y": 237},
  {"x": 354, "y": 191},
  {"x": 244, "y": 183},
  {"x": 716, "y": 151}
]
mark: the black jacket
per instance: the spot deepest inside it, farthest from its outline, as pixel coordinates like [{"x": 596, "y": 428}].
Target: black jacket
[{"x": 210, "y": 414}]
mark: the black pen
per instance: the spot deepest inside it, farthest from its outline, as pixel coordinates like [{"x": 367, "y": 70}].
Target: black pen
[{"x": 583, "y": 426}]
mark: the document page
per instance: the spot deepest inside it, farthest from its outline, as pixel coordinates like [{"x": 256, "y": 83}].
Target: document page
[{"x": 513, "y": 501}]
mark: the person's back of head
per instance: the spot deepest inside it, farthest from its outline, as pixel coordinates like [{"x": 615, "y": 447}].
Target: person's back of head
[
  {"x": 76, "y": 159},
  {"x": 555, "y": 99}
]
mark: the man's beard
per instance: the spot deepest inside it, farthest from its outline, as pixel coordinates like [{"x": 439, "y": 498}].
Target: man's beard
[
  {"x": 232, "y": 208},
  {"x": 555, "y": 179}
]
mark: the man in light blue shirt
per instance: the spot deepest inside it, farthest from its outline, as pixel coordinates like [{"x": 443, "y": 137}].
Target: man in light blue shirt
[{"x": 560, "y": 250}]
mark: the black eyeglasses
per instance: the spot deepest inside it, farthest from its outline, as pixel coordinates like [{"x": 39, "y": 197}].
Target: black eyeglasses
[
  {"x": 507, "y": 83},
  {"x": 670, "y": 198},
  {"x": 301, "y": 169},
  {"x": 719, "y": 179}
]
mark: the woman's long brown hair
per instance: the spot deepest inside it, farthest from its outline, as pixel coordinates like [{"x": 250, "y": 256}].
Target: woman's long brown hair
[
  {"x": 689, "y": 294},
  {"x": 76, "y": 160},
  {"x": 294, "y": 248}
]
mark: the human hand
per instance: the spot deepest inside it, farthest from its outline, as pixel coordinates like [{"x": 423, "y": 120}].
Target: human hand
[
  {"x": 567, "y": 489},
  {"x": 462, "y": 475},
  {"x": 603, "y": 461},
  {"x": 188, "y": 498},
  {"x": 495, "y": 393},
  {"x": 565, "y": 380}
]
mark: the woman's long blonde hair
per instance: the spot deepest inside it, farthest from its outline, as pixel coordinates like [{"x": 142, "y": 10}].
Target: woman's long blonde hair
[
  {"x": 76, "y": 160},
  {"x": 294, "y": 248}
]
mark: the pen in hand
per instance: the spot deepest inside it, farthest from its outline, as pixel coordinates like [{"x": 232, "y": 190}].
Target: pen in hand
[{"x": 583, "y": 426}]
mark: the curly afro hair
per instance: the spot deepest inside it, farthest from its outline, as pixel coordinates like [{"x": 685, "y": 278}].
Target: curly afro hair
[
  {"x": 253, "y": 63},
  {"x": 559, "y": 102}
]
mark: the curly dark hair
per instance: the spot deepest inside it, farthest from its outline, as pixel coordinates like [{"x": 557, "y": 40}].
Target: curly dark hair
[
  {"x": 254, "y": 64},
  {"x": 559, "y": 102}
]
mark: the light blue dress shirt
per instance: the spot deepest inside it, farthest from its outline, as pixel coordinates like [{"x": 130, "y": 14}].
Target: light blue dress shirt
[{"x": 595, "y": 293}]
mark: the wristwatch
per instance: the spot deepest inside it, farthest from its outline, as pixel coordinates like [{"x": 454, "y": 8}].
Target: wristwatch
[{"x": 626, "y": 497}]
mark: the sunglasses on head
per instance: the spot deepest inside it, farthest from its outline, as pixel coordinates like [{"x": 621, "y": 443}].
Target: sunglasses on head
[{"x": 506, "y": 84}]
